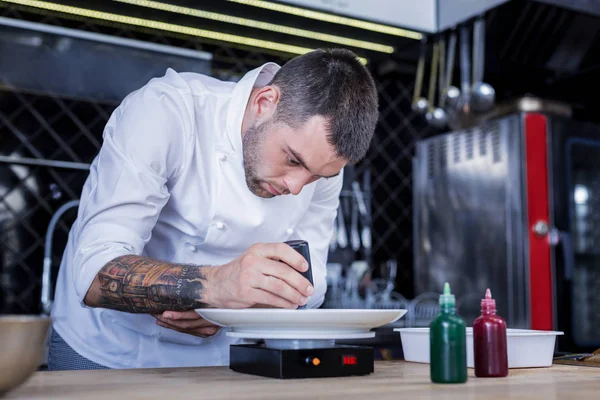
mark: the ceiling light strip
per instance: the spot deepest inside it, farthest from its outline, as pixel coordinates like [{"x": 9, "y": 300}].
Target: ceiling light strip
[
  {"x": 334, "y": 19},
  {"x": 260, "y": 25},
  {"x": 186, "y": 30}
]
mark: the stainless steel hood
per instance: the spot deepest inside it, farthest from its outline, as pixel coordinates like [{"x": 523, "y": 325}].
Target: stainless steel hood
[{"x": 427, "y": 16}]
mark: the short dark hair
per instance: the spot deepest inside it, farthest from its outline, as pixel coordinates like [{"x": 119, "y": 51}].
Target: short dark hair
[{"x": 334, "y": 84}]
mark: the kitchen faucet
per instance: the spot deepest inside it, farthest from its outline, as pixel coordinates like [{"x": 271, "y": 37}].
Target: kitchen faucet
[{"x": 46, "y": 284}]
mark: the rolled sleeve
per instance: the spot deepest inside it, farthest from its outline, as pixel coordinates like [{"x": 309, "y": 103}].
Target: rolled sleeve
[
  {"x": 143, "y": 148},
  {"x": 317, "y": 229}
]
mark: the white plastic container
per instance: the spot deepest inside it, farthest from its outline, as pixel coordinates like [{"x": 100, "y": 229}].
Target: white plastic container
[{"x": 526, "y": 348}]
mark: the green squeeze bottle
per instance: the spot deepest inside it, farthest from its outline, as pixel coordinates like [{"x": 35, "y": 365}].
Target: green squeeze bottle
[{"x": 448, "y": 343}]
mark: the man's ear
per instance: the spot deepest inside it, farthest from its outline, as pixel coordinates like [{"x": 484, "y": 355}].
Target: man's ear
[{"x": 265, "y": 102}]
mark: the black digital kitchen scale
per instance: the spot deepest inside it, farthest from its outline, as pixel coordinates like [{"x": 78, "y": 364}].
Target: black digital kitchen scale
[{"x": 311, "y": 360}]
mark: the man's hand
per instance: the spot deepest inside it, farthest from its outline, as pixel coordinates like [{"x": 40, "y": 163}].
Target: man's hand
[
  {"x": 186, "y": 322},
  {"x": 266, "y": 274}
]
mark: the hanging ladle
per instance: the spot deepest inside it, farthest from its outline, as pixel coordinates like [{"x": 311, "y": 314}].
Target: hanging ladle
[
  {"x": 440, "y": 117},
  {"x": 452, "y": 93},
  {"x": 483, "y": 94},
  {"x": 432, "y": 84},
  {"x": 420, "y": 104}
]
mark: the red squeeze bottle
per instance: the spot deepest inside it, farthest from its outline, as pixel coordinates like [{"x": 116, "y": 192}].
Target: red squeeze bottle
[{"x": 489, "y": 341}]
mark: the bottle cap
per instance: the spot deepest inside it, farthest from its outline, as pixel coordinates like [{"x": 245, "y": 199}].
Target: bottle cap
[
  {"x": 488, "y": 303},
  {"x": 447, "y": 299}
]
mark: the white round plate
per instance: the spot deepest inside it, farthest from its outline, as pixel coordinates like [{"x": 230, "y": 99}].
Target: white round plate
[
  {"x": 311, "y": 323},
  {"x": 303, "y": 335}
]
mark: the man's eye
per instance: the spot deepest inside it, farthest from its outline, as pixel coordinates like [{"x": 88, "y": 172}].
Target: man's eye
[{"x": 291, "y": 161}]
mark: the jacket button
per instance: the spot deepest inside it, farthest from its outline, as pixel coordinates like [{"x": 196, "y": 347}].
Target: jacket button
[
  {"x": 220, "y": 225},
  {"x": 290, "y": 231},
  {"x": 222, "y": 156},
  {"x": 192, "y": 248}
]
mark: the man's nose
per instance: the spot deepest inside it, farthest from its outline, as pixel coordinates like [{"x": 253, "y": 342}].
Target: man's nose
[
  {"x": 295, "y": 186},
  {"x": 296, "y": 182}
]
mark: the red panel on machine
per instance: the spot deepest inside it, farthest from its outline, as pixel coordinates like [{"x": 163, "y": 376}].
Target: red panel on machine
[{"x": 540, "y": 274}]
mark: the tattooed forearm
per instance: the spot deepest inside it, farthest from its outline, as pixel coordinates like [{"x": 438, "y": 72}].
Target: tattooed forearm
[{"x": 142, "y": 285}]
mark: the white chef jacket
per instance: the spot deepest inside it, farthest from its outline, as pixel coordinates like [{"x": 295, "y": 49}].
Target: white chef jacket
[{"x": 168, "y": 183}]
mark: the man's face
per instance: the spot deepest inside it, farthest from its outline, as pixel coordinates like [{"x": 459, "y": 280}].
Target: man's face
[{"x": 279, "y": 159}]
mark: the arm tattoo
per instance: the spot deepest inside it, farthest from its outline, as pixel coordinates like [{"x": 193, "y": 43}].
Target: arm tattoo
[{"x": 138, "y": 284}]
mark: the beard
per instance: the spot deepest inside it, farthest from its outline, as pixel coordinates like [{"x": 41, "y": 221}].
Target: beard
[{"x": 252, "y": 145}]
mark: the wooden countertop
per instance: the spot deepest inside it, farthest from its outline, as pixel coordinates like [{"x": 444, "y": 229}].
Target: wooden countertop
[{"x": 391, "y": 380}]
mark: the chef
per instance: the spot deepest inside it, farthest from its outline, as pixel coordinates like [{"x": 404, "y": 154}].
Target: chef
[{"x": 197, "y": 185}]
